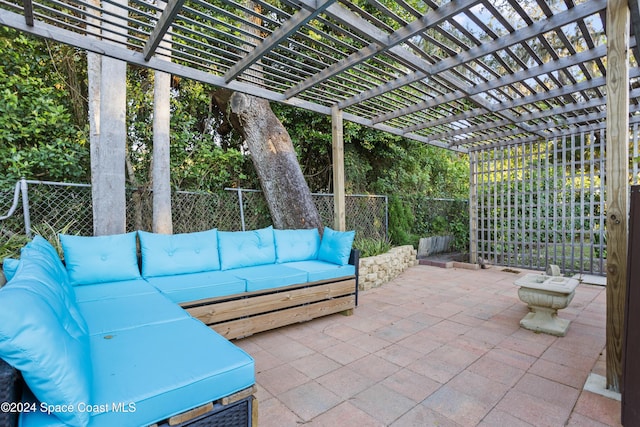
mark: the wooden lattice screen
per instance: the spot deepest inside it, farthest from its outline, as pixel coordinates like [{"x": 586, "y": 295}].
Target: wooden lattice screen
[{"x": 542, "y": 203}]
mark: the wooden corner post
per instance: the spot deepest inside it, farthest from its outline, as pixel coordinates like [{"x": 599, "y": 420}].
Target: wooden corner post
[
  {"x": 617, "y": 182},
  {"x": 339, "y": 204}
]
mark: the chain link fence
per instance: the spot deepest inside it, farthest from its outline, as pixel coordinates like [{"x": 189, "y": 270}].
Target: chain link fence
[{"x": 67, "y": 208}]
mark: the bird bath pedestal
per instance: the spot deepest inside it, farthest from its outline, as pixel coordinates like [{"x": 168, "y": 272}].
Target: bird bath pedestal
[{"x": 545, "y": 295}]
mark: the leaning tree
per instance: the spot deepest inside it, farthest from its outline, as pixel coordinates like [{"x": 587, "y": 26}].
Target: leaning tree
[{"x": 274, "y": 158}]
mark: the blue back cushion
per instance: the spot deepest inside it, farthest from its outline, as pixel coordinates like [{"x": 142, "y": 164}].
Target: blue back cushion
[
  {"x": 246, "y": 248},
  {"x": 335, "y": 246},
  {"x": 55, "y": 365},
  {"x": 296, "y": 245},
  {"x": 38, "y": 272},
  {"x": 166, "y": 254},
  {"x": 101, "y": 258},
  {"x": 9, "y": 267}
]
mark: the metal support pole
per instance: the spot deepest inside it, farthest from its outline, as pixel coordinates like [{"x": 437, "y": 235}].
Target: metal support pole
[
  {"x": 25, "y": 206},
  {"x": 241, "y": 209}
]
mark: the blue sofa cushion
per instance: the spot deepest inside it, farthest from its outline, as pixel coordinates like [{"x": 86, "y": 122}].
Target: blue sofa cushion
[
  {"x": 322, "y": 270},
  {"x": 100, "y": 258},
  {"x": 42, "y": 245},
  {"x": 270, "y": 276},
  {"x": 246, "y": 248},
  {"x": 9, "y": 267},
  {"x": 150, "y": 373},
  {"x": 117, "y": 314},
  {"x": 42, "y": 275},
  {"x": 148, "y": 369},
  {"x": 106, "y": 290},
  {"x": 192, "y": 287},
  {"x": 296, "y": 245},
  {"x": 335, "y": 246},
  {"x": 166, "y": 254},
  {"x": 56, "y": 366}
]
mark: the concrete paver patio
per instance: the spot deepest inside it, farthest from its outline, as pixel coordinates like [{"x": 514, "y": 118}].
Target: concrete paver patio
[{"x": 436, "y": 347}]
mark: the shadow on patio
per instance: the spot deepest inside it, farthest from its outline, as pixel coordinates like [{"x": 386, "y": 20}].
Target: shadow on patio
[{"x": 435, "y": 347}]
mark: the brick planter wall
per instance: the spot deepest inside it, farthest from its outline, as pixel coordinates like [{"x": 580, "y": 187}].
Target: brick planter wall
[{"x": 379, "y": 269}]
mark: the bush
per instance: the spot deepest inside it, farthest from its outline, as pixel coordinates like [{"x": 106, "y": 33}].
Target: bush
[
  {"x": 10, "y": 248},
  {"x": 372, "y": 247},
  {"x": 401, "y": 222}
]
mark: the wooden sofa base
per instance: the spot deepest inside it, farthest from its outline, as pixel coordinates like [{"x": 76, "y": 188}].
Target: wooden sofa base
[
  {"x": 237, "y": 410},
  {"x": 249, "y": 313}
]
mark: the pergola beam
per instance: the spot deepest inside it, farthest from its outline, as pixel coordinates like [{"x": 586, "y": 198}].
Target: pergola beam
[
  {"x": 536, "y": 115},
  {"x": 471, "y": 66},
  {"x": 28, "y": 12},
  {"x": 300, "y": 18},
  {"x": 539, "y": 97},
  {"x": 546, "y": 126},
  {"x": 578, "y": 12},
  {"x": 164, "y": 23},
  {"x": 382, "y": 42},
  {"x": 546, "y": 68}
]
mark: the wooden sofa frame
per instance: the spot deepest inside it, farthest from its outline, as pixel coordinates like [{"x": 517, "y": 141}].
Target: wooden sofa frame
[{"x": 245, "y": 314}]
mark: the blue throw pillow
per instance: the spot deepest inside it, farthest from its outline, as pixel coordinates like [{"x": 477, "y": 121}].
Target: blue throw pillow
[
  {"x": 100, "y": 259},
  {"x": 296, "y": 245},
  {"x": 335, "y": 246},
  {"x": 246, "y": 248},
  {"x": 9, "y": 267},
  {"x": 169, "y": 254},
  {"x": 55, "y": 365}
]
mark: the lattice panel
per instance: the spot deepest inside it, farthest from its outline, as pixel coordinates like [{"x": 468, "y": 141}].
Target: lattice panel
[{"x": 542, "y": 203}]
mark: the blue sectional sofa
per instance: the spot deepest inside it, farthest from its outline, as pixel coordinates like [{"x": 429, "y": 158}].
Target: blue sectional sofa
[{"x": 115, "y": 336}]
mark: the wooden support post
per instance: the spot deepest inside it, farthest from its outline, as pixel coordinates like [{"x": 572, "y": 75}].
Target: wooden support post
[
  {"x": 617, "y": 182},
  {"x": 473, "y": 207},
  {"x": 162, "y": 222},
  {"x": 161, "y": 170},
  {"x": 339, "y": 204},
  {"x": 108, "y": 156}
]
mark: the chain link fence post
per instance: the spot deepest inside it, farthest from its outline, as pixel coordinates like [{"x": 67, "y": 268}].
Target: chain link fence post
[
  {"x": 25, "y": 206},
  {"x": 240, "y": 201}
]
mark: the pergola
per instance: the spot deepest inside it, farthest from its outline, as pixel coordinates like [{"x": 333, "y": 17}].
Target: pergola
[{"x": 473, "y": 76}]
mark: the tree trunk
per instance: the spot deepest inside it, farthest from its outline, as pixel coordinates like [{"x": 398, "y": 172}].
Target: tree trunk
[{"x": 274, "y": 158}]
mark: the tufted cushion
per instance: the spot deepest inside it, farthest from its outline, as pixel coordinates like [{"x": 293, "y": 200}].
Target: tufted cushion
[
  {"x": 101, "y": 258},
  {"x": 296, "y": 245},
  {"x": 167, "y": 255},
  {"x": 246, "y": 248},
  {"x": 55, "y": 365},
  {"x": 335, "y": 246}
]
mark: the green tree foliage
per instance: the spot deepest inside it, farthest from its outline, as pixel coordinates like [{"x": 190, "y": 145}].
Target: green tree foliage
[
  {"x": 375, "y": 162},
  {"x": 44, "y": 128},
  {"x": 38, "y": 136},
  {"x": 201, "y": 158},
  {"x": 381, "y": 163}
]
